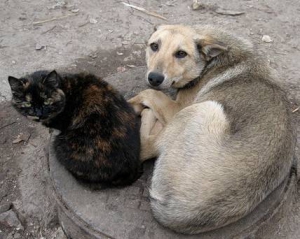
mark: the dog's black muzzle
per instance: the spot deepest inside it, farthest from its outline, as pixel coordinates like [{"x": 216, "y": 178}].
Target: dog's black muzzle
[{"x": 155, "y": 78}]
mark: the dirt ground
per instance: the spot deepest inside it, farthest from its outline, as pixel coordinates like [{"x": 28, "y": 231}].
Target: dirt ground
[{"x": 105, "y": 37}]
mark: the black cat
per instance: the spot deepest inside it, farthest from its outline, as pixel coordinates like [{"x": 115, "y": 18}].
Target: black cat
[{"x": 99, "y": 132}]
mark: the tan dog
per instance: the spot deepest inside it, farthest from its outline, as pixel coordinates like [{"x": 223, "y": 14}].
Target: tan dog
[{"x": 227, "y": 140}]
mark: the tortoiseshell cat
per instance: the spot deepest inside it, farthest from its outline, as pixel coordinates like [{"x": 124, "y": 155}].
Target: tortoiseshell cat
[{"x": 99, "y": 132}]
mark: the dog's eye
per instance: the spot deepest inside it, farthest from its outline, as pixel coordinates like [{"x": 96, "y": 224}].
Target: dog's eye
[
  {"x": 180, "y": 54},
  {"x": 154, "y": 46}
]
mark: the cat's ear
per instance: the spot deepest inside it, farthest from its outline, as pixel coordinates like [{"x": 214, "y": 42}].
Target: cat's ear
[
  {"x": 16, "y": 85},
  {"x": 52, "y": 80}
]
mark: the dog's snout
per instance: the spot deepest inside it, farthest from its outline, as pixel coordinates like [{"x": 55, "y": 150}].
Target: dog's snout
[{"x": 155, "y": 79}]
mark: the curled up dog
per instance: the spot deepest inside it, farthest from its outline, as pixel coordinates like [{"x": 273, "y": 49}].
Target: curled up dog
[{"x": 227, "y": 140}]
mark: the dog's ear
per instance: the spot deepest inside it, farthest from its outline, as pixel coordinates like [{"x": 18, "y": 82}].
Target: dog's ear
[{"x": 210, "y": 48}]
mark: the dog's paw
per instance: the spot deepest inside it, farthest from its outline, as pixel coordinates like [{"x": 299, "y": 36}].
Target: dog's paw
[
  {"x": 149, "y": 93},
  {"x": 137, "y": 105},
  {"x": 142, "y": 100}
]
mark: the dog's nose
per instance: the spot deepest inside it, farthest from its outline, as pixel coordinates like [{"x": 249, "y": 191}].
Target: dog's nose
[{"x": 155, "y": 79}]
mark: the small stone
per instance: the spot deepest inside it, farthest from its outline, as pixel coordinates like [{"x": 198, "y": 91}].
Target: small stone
[
  {"x": 131, "y": 203},
  {"x": 17, "y": 236},
  {"x": 197, "y": 5},
  {"x": 137, "y": 53},
  {"x": 93, "y": 20},
  {"x": 58, "y": 234},
  {"x": 120, "y": 53},
  {"x": 128, "y": 37},
  {"x": 10, "y": 236},
  {"x": 20, "y": 138},
  {"x": 93, "y": 55},
  {"x": 170, "y": 3},
  {"x": 3, "y": 235},
  {"x": 75, "y": 10},
  {"x": 146, "y": 192},
  {"x": 267, "y": 39},
  {"x": 5, "y": 207},
  {"x": 9, "y": 219},
  {"x": 133, "y": 190},
  {"x": 121, "y": 69},
  {"x": 59, "y": 4},
  {"x": 39, "y": 47},
  {"x": 13, "y": 62},
  {"x": 145, "y": 206}
]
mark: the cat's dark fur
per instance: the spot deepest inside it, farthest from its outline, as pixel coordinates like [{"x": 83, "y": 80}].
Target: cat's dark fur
[{"x": 99, "y": 131}]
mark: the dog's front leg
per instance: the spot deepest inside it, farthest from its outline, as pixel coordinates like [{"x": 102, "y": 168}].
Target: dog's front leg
[
  {"x": 163, "y": 107},
  {"x": 150, "y": 131}
]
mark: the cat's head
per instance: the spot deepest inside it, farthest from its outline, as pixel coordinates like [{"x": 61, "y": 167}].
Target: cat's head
[{"x": 38, "y": 96}]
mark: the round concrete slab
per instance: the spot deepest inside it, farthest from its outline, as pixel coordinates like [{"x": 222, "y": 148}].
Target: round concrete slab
[{"x": 125, "y": 213}]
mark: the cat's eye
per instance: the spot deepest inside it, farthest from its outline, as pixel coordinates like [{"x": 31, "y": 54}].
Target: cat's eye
[
  {"x": 180, "y": 54},
  {"x": 48, "y": 102},
  {"x": 154, "y": 46},
  {"x": 27, "y": 104}
]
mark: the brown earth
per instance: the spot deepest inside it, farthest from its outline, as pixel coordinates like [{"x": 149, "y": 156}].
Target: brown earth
[{"x": 105, "y": 37}]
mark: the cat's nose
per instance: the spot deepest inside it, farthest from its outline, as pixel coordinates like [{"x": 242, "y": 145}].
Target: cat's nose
[{"x": 38, "y": 112}]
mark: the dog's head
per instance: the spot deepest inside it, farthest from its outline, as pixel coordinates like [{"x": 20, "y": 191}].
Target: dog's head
[{"x": 178, "y": 54}]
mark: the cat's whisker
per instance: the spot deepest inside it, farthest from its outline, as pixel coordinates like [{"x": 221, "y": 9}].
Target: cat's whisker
[{"x": 32, "y": 117}]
